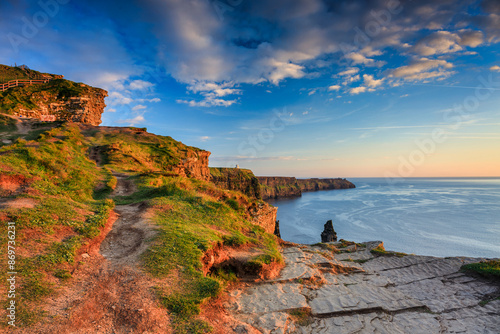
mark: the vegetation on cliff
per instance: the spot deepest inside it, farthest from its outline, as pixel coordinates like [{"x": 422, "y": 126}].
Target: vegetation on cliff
[
  {"x": 56, "y": 188},
  {"x": 8, "y": 73},
  {"x": 65, "y": 100},
  {"x": 236, "y": 179},
  {"x": 490, "y": 268}
]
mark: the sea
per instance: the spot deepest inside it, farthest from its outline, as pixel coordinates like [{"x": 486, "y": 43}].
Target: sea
[{"x": 425, "y": 216}]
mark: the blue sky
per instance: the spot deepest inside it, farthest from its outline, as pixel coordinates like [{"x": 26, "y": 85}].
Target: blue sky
[{"x": 300, "y": 88}]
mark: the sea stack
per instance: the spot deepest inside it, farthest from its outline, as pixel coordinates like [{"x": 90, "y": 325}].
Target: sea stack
[
  {"x": 328, "y": 234},
  {"x": 277, "y": 229}
]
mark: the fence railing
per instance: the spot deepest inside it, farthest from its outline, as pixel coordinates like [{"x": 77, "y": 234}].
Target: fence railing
[{"x": 22, "y": 82}]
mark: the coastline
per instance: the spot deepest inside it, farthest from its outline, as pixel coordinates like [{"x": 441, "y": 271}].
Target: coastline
[
  {"x": 346, "y": 288},
  {"x": 277, "y": 187}
]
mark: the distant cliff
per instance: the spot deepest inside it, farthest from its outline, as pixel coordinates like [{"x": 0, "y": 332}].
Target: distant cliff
[
  {"x": 56, "y": 99},
  {"x": 236, "y": 179},
  {"x": 278, "y": 187}
]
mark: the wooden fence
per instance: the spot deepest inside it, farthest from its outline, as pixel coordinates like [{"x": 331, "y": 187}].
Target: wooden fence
[{"x": 22, "y": 82}]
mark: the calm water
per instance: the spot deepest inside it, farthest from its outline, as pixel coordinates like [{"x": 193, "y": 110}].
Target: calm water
[{"x": 425, "y": 216}]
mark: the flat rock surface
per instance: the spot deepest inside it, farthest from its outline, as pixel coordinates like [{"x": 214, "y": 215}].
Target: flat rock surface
[{"x": 355, "y": 291}]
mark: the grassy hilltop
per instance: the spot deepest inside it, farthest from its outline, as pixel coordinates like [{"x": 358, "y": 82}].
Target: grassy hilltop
[{"x": 55, "y": 183}]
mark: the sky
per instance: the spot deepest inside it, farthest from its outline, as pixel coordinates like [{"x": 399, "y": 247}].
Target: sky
[{"x": 305, "y": 88}]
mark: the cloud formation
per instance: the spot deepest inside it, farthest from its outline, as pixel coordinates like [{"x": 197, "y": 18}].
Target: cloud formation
[{"x": 216, "y": 50}]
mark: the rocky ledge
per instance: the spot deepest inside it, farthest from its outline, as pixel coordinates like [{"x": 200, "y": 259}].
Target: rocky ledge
[{"x": 356, "y": 291}]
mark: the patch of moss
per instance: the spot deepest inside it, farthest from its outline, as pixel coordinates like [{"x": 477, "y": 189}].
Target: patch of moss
[
  {"x": 380, "y": 250},
  {"x": 490, "y": 268},
  {"x": 302, "y": 316}
]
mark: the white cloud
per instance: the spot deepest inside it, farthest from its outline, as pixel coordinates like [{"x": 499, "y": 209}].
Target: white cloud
[
  {"x": 349, "y": 80},
  {"x": 133, "y": 121},
  {"x": 208, "y": 102},
  {"x": 204, "y": 138},
  {"x": 422, "y": 69},
  {"x": 139, "y": 107},
  {"x": 281, "y": 70},
  {"x": 444, "y": 42},
  {"x": 437, "y": 43},
  {"x": 349, "y": 71},
  {"x": 140, "y": 85},
  {"x": 116, "y": 98},
  {"x": 472, "y": 38},
  {"x": 218, "y": 89},
  {"x": 110, "y": 110},
  {"x": 495, "y": 68},
  {"x": 357, "y": 90},
  {"x": 212, "y": 94},
  {"x": 334, "y": 88},
  {"x": 370, "y": 82},
  {"x": 358, "y": 58}
]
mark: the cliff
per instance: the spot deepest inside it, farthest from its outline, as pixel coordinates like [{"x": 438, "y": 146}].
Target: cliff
[
  {"x": 106, "y": 205},
  {"x": 236, "y": 179},
  {"x": 324, "y": 184},
  {"x": 278, "y": 187},
  {"x": 52, "y": 99}
]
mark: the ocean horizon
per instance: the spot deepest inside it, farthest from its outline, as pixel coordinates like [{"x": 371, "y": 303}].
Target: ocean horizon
[{"x": 435, "y": 216}]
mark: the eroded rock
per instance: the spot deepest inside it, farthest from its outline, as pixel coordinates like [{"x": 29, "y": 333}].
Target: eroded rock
[{"x": 384, "y": 294}]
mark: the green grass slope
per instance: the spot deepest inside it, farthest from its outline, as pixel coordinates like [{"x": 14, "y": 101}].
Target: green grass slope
[{"x": 58, "y": 198}]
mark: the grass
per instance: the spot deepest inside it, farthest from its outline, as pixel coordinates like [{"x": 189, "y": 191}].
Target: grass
[
  {"x": 70, "y": 207},
  {"x": 8, "y": 73},
  {"x": 483, "y": 303},
  {"x": 357, "y": 261},
  {"x": 380, "y": 250},
  {"x": 59, "y": 180},
  {"x": 302, "y": 317},
  {"x": 28, "y": 97},
  {"x": 327, "y": 247},
  {"x": 7, "y": 124},
  {"x": 490, "y": 268},
  {"x": 237, "y": 179}
]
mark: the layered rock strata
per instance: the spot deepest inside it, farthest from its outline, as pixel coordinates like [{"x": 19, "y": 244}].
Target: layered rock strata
[{"x": 358, "y": 292}]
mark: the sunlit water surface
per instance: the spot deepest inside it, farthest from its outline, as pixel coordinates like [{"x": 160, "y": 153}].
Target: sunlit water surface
[{"x": 425, "y": 216}]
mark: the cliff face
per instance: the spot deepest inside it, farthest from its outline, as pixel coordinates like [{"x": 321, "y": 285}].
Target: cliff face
[
  {"x": 242, "y": 180},
  {"x": 194, "y": 165},
  {"x": 58, "y": 99},
  {"x": 276, "y": 187},
  {"x": 264, "y": 215},
  {"x": 324, "y": 184}
]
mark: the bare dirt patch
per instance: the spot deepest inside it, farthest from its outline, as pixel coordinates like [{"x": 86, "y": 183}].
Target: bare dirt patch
[
  {"x": 18, "y": 203},
  {"x": 11, "y": 184}
]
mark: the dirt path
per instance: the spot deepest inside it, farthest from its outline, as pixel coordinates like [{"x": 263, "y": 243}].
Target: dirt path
[
  {"x": 109, "y": 293},
  {"x": 127, "y": 240},
  {"x": 23, "y": 126}
]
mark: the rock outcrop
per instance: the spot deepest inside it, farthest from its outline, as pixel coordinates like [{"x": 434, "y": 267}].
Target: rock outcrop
[
  {"x": 355, "y": 291},
  {"x": 273, "y": 187},
  {"x": 56, "y": 100},
  {"x": 264, "y": 215},
  {"x": 242, "y": 180},
  {"x": 328, "y": 234},
  {"x": 194, "y": 165}
]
